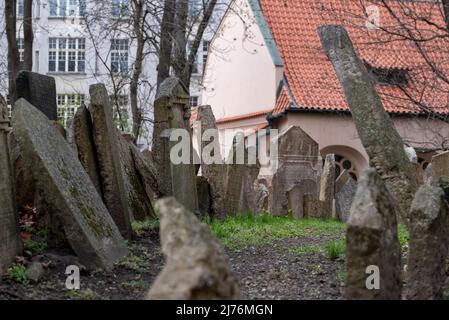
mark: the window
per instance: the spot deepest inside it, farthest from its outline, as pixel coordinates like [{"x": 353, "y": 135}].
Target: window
[
  {"x": 193, "y": 101},
  {"x": 20, "y": 8},
  {"x": 67, "y": 55},
  {"x": 120, "y": 8},
  {"x": 64, "y": 8},
  {"x": 67, "y": 106},
  {"x": 21, "y": 47},
  {"x": 205, "y": 52},
  {"x": 119, "y": 55},
  {"x": 195, "y": 62}
]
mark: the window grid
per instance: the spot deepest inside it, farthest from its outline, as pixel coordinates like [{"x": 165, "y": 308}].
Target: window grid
[
  {"x": 67, "y": 8},
  {"x": 20, "y": 8},
  {"x": 193, "y": 101},
  {"x": 67, "y": 105},
  {"x": 119, "y": 55},
  {"x": 21, "y": 47},
  {"x": 67, "y": 55},
  {"x": 120, "y": 8}
]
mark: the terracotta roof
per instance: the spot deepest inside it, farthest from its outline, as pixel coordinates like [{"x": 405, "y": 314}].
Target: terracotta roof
[
  {"x": 243, "y": 116},
  {"x": 310, "y": 75}
]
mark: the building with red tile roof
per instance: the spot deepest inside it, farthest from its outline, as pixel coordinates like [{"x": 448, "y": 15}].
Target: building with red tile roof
[{"x": 267, "y": 53}]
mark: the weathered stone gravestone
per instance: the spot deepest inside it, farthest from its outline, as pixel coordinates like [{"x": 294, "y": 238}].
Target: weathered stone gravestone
[
  {"x": 327, "y": 186},
  {"x": 262, "y": 192},
  {"x": 298, "y": 160},
  {"x": 84, "y": 141},
  {"x": 251, "y": 171},
  {"x": 107, "y": 148},
  {"x": 214, "y": 173},
  {"x": 70, "y": 133},
  {"x": 346, "y": 188},
  {"x": 10, "y": 245},
  {"x": 204, "y": 196},
  {"x": 172, "y": 112},
  {"x": 40, "y": 91},
  {"x": 428, "y": 244},
  {"x": 440, "y": 165},
  {"x": 428, "y": 175},
  {"x": 59, "y": 175},
  {"x": 382, "y": 142},
  {"x": 372, "y": 242},
  {"x": 196, "y": 266},
  {"x": 297, "y": 199}
]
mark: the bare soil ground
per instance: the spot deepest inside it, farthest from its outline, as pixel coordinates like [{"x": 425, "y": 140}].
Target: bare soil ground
[{"x": 289, "y": 268}]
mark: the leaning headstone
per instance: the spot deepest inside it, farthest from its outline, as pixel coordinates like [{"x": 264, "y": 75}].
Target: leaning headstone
[
  {"x": 10, "y": 245},
  {"x": 59, "y": 175},
  {"x": 346, "y": 188},
  {"x": 428, "y": 174},
  {"x": 440, "y": 165},
  {"x": 376, "y": 129},
  {"x": 196, "y": 266},
  {"x": 372, "y": 243},
  {"x": 428, "y": 245},
  {"x": 107, "y": 148},
  {"x": 251, "y": 171},
  {"x": 297, "y": 199},
  {"x": 298, "y": 160},
  {"x": 214, "y": 173},
  {"x": 235, "y": 171},
  {"x": 327, "y": 186},
  {"x": 40, "y": 91},
  {"x": 84, "y": 141}
]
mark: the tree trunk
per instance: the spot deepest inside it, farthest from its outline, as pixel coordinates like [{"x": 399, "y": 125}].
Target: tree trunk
[
  {"x": 13, "y": 50},
  {"x": 166, "y": 42},
  {"x": 28, "y": 36},
  {"x": 180, "y": 45},
  {"x": 138, "y": 21},
  {"x": 446, "y": 13}
]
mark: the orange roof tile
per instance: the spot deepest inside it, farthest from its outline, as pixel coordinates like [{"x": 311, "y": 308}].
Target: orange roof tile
[{"x": 310, "y": 75}]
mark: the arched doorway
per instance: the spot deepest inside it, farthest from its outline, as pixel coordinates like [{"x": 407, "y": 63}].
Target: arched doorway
[{"x": 346, "y": 158}]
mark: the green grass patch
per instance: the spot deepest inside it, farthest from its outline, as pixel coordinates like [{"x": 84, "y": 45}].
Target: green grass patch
[
  {"x": 403, "y": 235},
  {"x": 140, "y": 227},
  {"x": 17, "y": 273},
  {"x": 241, "y": 231},
  {"x": 35, "y": 247},
  {"x": 335, "y": 249}
]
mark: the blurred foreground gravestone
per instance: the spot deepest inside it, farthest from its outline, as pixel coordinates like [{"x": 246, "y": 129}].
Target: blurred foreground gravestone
[
  {"x": 61, "y": 178},
  {"x": 196, "y": 266}
]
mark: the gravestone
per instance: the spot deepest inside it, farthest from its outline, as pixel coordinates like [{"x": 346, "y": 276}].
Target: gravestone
[
  {"x": 372, "y": 240},
  {"x": 107, "y": 148},
  {"x": 204, "y": 196},
  {"x": 172, "y": 112},
  {"x": 261, "y": 192},
  {"x": 10, "y": 245},
  {"x": 84, "y": 141},
  {"x": 298, "y": 160},
  {"x": 376, "y": 129},
  {"x": 440, "y": 165},
  {"x": 214, "y": 173},
  {"x": 428, "y": 245},
  {"x": 61, "y": 178},
  {"x": 70, "y": 133},
  {"x": 40, "y": 91},
  {"x": 346, "y": 188},
  {"x": 296, "y": 198},
  {"x": 196, "y": 266},
  {"x": 249, "y": 185},
  {"x": 428, "y": 174},
  {"x": 327, "y": 186},
  {"x": 234, "y": 176}
]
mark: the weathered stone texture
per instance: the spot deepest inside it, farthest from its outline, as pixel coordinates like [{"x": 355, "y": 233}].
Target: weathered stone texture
[
  {"x": 107, "y": 148},
  {"x": 196, "y": 265},
  {"x": 372, "y": 240},
  {"x": 59, "y": 175},
  {"x": 327, "y": 186},
  {"x": 346, "y": 188}
]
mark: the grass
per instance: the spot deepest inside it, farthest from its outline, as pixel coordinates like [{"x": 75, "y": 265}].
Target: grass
[
  {"x": 140, "y": 227},
  {"x": 242, "y": 231},
  {"x": 35, "y": 247},
  {"x": 403, "y": 235},
  {"x": 335, "y": 249},
  {"x": 17, "y": 273}
]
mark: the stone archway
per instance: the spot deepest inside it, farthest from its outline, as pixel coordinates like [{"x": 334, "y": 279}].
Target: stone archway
[{"x": 346, "y": 158}]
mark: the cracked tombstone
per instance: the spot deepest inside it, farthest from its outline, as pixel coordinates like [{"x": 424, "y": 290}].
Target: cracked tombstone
[
  {"x": 84, "y": 141},
  {"x": 196, "y": 266},
  {"x": 372, "y": 240},
  {"x": 10, "y": 245},
  {"x": 327, "y": 186},
  {"x": 107, "y": 149},
  {"x": 172, "y": 111},
  {"x": 40, "y": 91},
  {"x": 299, "y": 160},
  {"x": 428, "y": 244},
  {"x": 382, "y": 142},
  {"x": 345, "y": 188},
  {"x": 61, "y": 178}
]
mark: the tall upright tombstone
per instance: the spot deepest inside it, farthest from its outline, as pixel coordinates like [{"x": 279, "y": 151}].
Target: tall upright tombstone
[
  {"x": 372, "y": 244},
  {"x": 298, "y": 161},
  {"x": 172, "y": 111},
  {"x": 382, "y": 142},
  {"x": 40, "y": 91},
  {"x": 107, "y": 148},
  {"x": 10, "y": 245},
  {"x": 327, "y": 186},
  {"x": 61, "y": 179}
]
